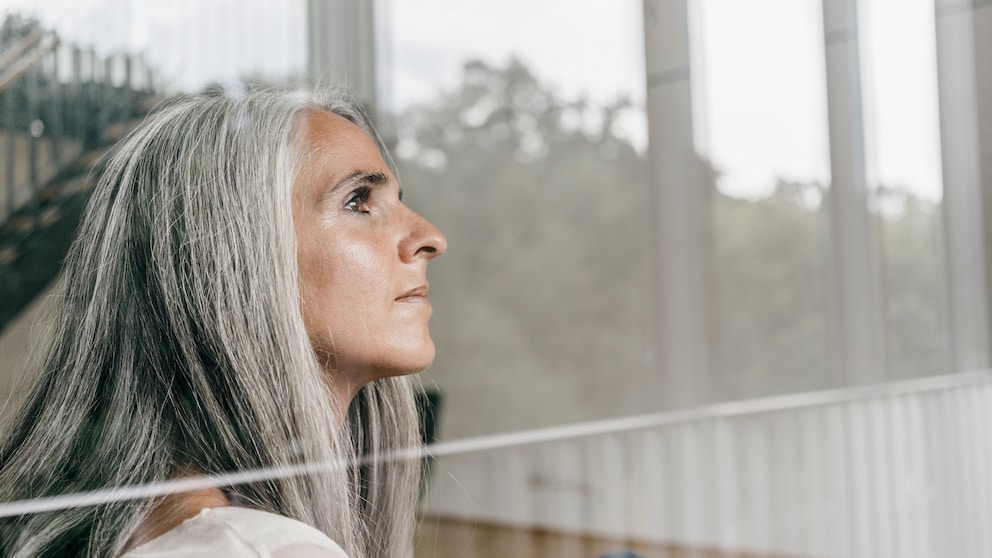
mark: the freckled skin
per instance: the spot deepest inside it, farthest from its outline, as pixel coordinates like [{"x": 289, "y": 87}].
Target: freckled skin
[
  {"x": 358, "y": 256},
  {"x": 361, "y": 262}
]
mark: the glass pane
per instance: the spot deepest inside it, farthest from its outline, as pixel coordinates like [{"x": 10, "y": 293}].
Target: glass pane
[
  {"x": 528, "y": 153},
  {"x": 899, "y": 77},
  {"x": 186, "y": 43},
  {"x": 761, "y": 122}
]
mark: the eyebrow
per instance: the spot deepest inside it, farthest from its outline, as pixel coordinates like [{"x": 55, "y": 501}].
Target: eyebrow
[
  {"x": 368, "y": 178},
  {"x": 355, "y": 179}
]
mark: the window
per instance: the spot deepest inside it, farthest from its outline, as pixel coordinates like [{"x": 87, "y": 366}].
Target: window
[
  {"x": 899, "y": 80},
  {"x": 523, "y": 139},
  {"x": 760, "y": 122}
]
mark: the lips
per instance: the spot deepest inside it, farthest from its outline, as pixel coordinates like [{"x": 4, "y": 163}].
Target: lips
[{"x": 416, "y": 294}]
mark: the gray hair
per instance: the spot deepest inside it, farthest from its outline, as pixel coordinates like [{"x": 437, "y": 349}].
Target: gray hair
[{"x": 180, "y": 345}]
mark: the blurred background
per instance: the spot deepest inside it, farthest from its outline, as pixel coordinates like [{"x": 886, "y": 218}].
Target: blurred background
[{"x": 717, "y": 282}]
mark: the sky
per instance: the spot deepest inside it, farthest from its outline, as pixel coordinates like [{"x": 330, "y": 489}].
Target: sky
[
  {"x": 760, "y": 97},
  {"x": 904, "y": 127},
  {"x": 759, "y": 89},
  {"x": 590, "y": 47}
]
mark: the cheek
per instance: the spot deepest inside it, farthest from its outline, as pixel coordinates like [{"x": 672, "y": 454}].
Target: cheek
[
  {"x": 358, "y": 275},
  {"x": 344, "y": 285}
]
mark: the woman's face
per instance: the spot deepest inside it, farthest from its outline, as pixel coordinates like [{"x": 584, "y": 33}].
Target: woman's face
[{"x": 362, "y": 257}]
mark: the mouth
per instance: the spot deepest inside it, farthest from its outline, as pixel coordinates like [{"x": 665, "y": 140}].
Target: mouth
[{"x": 414, "y": 295}]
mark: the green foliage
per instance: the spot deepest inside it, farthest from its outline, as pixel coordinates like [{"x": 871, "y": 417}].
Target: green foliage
[
  {"x": 543, "y": 288},
  {"x": 916, "y": 320},
  {"x": 544, "y": 302},
  {"x": 769, "y": 295},
  {"x": 772, "y": 298}
]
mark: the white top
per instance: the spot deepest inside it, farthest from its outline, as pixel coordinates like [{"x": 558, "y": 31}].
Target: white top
[{"x": 239, "y": 532}]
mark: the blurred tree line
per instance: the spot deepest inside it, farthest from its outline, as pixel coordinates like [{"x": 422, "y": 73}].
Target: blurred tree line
[
  {"x": 544, "y": 303},
  {"x": 771, "y": 269}
]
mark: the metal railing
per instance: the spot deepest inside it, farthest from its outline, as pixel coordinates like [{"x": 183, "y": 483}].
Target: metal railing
[
  {"x": 57, "y": 102},
  {"x": 60, "y": 107},
  {"x": 25, "y": 53},
  {"x": 894, "y": 471}
]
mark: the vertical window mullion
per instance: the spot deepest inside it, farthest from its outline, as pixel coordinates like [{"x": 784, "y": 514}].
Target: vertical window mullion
[
  {"x": 964, "y": 229},
  {"x": 858, "y": 320}
]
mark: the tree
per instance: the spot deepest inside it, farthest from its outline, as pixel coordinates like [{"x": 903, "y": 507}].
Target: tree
[
  {"x": 543, "y": 303},
  {"x": 540, "y": 302}
]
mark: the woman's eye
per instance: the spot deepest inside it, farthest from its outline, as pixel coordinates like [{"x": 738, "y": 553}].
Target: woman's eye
[{"x": 359, "y": 201}]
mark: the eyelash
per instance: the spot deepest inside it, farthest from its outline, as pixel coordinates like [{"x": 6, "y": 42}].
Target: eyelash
[{"x": 358, "y": 202}]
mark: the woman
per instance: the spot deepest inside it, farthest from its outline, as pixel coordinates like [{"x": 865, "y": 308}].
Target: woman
[{"x": 246, "y": 291}]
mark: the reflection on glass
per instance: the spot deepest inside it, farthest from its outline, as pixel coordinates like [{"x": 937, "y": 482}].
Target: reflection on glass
[
  {"x": 761, "y": 123},
  {"x": 188, "y": 44},
  {"x": 527, "y": 153}
]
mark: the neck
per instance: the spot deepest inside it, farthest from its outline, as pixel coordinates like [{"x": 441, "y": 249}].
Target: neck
[
  {"x": 173, "y": 510},
  {"x": 343, "y": 387}
]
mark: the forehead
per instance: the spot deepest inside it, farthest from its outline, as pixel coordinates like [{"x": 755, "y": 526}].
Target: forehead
[
  {"x": 333, "y": 148},
  {"x": 329, "y": 135}
]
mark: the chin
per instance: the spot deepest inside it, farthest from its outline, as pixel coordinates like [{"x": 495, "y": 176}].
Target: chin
[
  {"x": 411, "y": 362},
  {"x": 416, "y": 365},
  {"x": 425, "y": 361}
]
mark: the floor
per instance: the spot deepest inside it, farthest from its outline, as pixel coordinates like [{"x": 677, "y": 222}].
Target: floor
[{"x": 452, "y": 538}]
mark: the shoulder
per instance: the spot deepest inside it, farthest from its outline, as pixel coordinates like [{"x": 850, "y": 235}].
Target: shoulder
[{"x": 235, "y": 531}]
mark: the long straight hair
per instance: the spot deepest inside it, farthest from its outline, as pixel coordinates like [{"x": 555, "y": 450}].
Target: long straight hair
[{"x": 180, "y": 346}]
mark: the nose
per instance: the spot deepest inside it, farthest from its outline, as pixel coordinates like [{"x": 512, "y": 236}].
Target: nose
[{"x": 424, "y": 241}]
